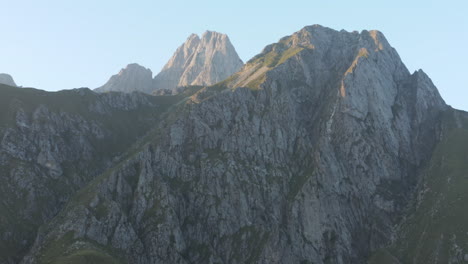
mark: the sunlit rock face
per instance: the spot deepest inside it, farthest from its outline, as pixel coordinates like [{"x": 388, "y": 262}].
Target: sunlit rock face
[{"x": 200, "y": 61}]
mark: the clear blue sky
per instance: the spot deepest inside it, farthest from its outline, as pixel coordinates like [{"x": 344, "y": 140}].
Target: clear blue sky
[{"x": 65, "y": 44}]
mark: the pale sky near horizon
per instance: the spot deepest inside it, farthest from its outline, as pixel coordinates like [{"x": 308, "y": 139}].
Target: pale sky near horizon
[{"x": 54, "y": 45}]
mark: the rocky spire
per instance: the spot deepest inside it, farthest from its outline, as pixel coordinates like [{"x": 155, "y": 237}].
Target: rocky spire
[{"x": 204, "y": 61}]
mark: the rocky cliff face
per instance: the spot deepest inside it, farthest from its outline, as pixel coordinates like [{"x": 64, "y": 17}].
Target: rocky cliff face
[
  {"x": 434, "y": 227},
  {"x": 53, "y": 144},
  {"x": 309, "y": 154},
  {"x": 130, "y": 79},
  {"x": 204, "y": 61},
  {"x": 7, "y": 79}
]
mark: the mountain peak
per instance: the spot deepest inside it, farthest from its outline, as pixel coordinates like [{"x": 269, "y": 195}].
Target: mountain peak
[
  {"x": 133, "y": 67},
  {"x": 193, "y": 36},
  {"x": 213, "y": 34},
  {"x": 133, "y": 77},
  {"x": 198, "y": 61},
  {"x": 191, "y": 41},
  {"x": 204, "y": 61},
  {"x": 7, "y": 79},
  {"x": 331, "y": 49}
]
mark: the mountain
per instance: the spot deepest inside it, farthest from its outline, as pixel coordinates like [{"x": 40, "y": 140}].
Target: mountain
[
  {"x": 323, "y": 148},
  {"x": 55, "y": 143},
  {"x": 132, "y": 78},
  {"x": 200, "y": 61},
  {"x": 7, "y": 79},
  {"x": 204, "y": 61}
]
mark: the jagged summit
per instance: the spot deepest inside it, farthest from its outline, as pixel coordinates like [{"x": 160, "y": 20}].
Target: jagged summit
[
  {"x": 131, "y": 78},
  {"x": 7, "y": 79},
  {"x": 333, "y": 50},
  {"x": 200, "y": 61}
]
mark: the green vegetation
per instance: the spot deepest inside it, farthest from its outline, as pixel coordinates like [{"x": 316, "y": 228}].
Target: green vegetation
[
  {"x": 297, "y": 182},
  {"x": 56, "y": 248},
  {"x": 436, "y": 230},
  {"x": 278, "y": 55},
  {"x": 250, "y": 238},
  {"x": 199, "y": 252},
  {"x": 69, "y": 250},
  {"x": 87, "y": 256},
  {"x": 273, "y": 56},
  {"x": 156, "y": 214},
  {"x": 101, "y": 210},
  {"x": 383, "y": 257},
  {"x": 441, "y": 216},
  {"x": 220, "y": 86},
  {"x": 255, "y": 84}
]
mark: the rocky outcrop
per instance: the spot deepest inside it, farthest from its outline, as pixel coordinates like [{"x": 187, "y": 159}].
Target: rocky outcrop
[
  {"x": 130, "y": 79},
  {"x": 7, "y": 79},
  {"x": 200, "y": 61},
  {"x": 309, "y": 154}
]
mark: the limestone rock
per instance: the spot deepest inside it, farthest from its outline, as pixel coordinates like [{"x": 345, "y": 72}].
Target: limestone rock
[
  {"x": 200, "y": 61},
  {"x": 54, "y": 143}
]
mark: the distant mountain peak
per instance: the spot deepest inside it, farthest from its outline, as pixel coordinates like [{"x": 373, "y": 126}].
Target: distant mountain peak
[
  {"x": 7, "y": 79},
  {"x": 209, "y": 34},
  {"x": 193, "y": 36},
  {"x": 200, "y": 61},
  {"x": 133, "y": 77}
]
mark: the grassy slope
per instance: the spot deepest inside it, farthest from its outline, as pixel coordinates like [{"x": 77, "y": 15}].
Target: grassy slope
[
  {"x": 254, "y": 71},
  {"x": 437, "y": 230},
  {"x": 88, "y": 257}
]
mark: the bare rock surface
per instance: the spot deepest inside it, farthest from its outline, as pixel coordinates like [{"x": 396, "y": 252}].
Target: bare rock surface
[
  {"x": 54, "y": 143},
  {"x": 130, "y": 79},
  {"x": 200, "y": 61},
  {"x": 7, "y": 79}
]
